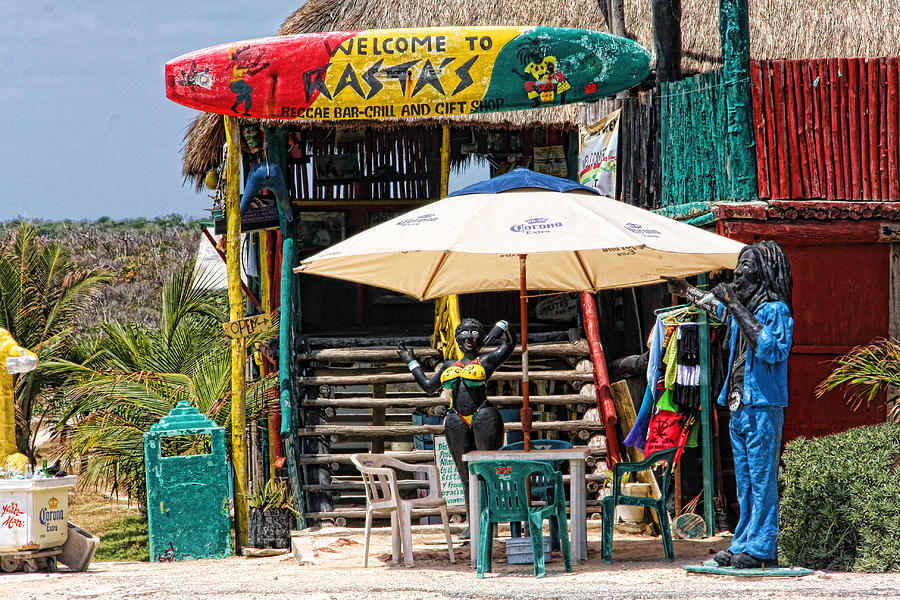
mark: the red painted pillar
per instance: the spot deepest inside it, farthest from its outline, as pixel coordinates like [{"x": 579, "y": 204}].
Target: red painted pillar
[{"x": 601, "y": 377}]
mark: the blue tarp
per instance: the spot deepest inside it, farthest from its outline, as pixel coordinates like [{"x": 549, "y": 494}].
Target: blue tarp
[{"x": 522, "y": 178}]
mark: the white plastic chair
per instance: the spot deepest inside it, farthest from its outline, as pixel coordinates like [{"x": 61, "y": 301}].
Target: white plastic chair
[{"x": 383, "y": 498}]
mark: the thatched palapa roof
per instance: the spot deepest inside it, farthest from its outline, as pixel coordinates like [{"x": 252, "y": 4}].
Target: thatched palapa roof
[{"x": 778, "y": 29}]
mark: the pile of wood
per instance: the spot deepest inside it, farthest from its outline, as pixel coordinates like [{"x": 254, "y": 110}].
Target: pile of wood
[{"x": 368, "y": 398}]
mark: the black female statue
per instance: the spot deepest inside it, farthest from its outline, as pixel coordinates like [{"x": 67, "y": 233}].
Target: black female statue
[{"x": 472, "y": 422}]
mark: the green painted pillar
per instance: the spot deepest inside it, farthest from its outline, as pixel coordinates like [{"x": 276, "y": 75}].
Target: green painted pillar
[
  {"x": 187, "y": 496},
  {"x": 276, "y": 152},
  {"x": 706, "y": 420},
  {"x": 734, "y": 32}
]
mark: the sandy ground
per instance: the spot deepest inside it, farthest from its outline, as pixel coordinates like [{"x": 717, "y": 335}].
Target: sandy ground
[{"x": 332, "y": 570}]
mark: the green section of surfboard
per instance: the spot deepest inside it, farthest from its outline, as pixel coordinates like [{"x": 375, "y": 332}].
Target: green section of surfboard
[{"x": 550, "y": 66}]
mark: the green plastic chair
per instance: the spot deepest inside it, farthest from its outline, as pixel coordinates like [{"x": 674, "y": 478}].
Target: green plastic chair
[
  {"x": 504, "y": 499},
  {"x": 616, "y": 498},
  {"x": 539, "y": 488}
]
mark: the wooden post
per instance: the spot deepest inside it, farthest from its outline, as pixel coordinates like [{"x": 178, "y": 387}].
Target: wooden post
[
  {"x": 605, "y": 404},
  {"x": 379, "y": 390},
  {"x": 525, "y": 413},
  {"x": 734, "y": 32},
  {"x": 445, "y": 161},
  {"x": 894, "y": 323},
  {"x": 265, "y": 298},
  {"x": 615, "y": 16},
  {"x": 667, "y": 39},
  {"x": 706, "y": 420},
  {"x": 276, "y": 146},
  {"x": 238, "y": 347}
]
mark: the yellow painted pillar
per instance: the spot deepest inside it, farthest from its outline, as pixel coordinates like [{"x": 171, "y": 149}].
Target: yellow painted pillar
[
  {"x": 446, "y": 310},
  {"x": 445, "y": 161},
  {"x": 265, "y": 292},
  {"x": 238, "y": 346},
  {"x": 23, "y": 360}
]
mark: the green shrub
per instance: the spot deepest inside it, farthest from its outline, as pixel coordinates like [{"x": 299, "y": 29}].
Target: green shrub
[{"x": 840, "y": 500}]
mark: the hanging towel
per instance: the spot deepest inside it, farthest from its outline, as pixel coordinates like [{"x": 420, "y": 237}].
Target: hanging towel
[{"x": 637, "y": 437}]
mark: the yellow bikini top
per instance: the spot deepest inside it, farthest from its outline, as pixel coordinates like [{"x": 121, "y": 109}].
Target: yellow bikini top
[{"x": 473, "y": 374}]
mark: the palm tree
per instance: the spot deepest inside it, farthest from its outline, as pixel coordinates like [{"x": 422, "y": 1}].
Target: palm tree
[
  {"x": 866, "y": 371},
  {"x": 42, "y": 296},
  {"x": 138, "y": 374}
]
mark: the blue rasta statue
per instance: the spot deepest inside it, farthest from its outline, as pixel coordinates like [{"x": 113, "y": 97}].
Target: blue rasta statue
[{"x": 758, "y": 309}]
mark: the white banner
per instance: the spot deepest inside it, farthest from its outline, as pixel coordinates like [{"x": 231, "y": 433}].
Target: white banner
[{"x": 597, "y": 160}]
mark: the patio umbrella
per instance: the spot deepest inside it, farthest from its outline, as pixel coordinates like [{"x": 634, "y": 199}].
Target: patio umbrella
[{"x": 486, "y": 236}]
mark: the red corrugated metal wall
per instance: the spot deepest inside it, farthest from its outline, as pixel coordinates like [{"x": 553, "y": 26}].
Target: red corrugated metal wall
[{"x": 841, "y": 277}]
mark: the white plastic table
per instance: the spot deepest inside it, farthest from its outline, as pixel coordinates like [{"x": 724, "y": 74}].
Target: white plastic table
[{"x": 578, "y": 518}]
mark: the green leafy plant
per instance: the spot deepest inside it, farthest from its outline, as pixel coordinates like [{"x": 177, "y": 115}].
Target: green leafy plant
[
  {"x": 608, "y": 481},
  {"x": 137, "y": 374},
  {"x": 839, "y": 507},
  {"x": 273, "y": 495},
  {"x": 44, "y": 296},
  {"x": 864, "y": 372}
]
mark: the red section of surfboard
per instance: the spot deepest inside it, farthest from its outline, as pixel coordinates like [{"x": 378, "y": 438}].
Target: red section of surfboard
[{"x": 244, "y": 80}]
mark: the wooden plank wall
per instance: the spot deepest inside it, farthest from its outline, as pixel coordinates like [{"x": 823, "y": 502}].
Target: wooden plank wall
[
  {"x": 640, "y": 174},
  {"x": 395, "y": 164},
  {"x": 693, "y": 150},
  {"x": 638, "y": 171},
  {"x": 827, "y": 128}
]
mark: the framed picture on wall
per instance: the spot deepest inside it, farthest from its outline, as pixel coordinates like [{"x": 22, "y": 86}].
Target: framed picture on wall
[
  {"x": 320, "y": 229},
  {"x": 336, "y": 168}
]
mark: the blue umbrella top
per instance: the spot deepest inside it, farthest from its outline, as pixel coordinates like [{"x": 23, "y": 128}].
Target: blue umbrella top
[{"x": 522, "y": 178}]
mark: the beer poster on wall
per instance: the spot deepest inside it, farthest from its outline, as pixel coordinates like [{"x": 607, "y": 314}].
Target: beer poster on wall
[{"x": 597, "y": 160}]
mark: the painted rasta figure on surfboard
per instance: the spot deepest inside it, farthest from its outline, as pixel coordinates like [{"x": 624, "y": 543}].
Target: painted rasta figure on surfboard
[
  {"x": 245, "y": 62},
  {"x": 544, "y": 80}
]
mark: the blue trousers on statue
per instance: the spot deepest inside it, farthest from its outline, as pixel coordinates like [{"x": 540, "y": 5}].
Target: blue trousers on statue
[{"x": 756, "y": 441}]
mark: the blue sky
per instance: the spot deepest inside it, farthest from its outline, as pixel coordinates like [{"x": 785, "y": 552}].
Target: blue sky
[{"x": 87, "y": 128}]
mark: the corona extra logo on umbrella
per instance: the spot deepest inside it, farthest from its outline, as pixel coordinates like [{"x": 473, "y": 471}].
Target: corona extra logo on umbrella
[
  {"x": 537, "y": 225},
  {"x": 402, "y": 73}
]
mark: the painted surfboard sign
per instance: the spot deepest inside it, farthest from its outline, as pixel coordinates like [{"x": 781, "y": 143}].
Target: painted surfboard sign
[{"x": 406, "y": 73}]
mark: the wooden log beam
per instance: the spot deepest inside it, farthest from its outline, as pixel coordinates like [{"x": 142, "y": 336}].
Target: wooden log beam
[
  {"x": 410, "y": 456},
  {"x": 389, "y": 354},
  {"x": 423, "y": 402},
  {"x": 413, "y": 484},
  {"x": 667, "y": 39},
  {"x": 360, "y": 513},
  {"x": 408, "y": 378},
  {"x": 375, "y": 431},
  {"x": 327, "y": 459}
]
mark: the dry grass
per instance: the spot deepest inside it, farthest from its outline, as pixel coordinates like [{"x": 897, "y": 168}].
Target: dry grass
[{"x": 94, "y": 512}]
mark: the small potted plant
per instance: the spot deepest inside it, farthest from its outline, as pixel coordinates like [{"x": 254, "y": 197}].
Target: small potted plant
[{"x": 271, "y": 516}]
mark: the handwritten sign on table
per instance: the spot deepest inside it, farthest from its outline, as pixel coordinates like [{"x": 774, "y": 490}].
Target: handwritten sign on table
[{"x": 451, "y": 484}]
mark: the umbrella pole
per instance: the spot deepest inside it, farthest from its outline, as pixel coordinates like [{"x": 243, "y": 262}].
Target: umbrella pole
[{"x": 525, "y": 413}]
